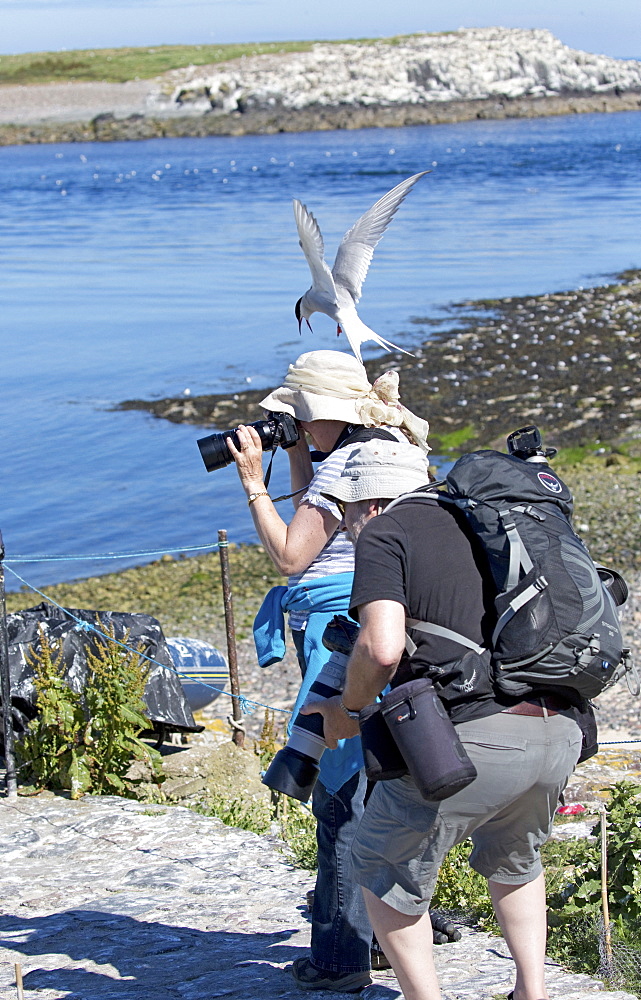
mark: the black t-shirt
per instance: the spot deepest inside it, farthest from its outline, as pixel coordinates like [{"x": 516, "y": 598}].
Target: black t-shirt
[{"x": 419, "y": 555}]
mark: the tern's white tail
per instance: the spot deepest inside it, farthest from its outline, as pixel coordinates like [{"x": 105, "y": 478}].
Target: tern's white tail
[{"x": 357, "y": 332}]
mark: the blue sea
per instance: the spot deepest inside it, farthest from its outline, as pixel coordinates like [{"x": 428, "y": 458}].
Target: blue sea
[{"x": 148, "y": 269}]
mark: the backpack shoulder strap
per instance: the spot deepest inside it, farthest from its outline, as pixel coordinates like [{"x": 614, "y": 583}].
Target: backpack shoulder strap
[
  {"x": 443, "y": 633},
  {"x": 429, "y": 493}
]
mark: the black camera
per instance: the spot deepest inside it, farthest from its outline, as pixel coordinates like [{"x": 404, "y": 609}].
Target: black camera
[
  {"x": 294, "y": 769},
  {"x": 526, "y": 443},
  {"x": 278, "y": 429}
]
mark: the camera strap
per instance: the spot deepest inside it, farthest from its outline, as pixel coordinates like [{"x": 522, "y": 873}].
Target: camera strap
[
  {"x": 277, "y": 436},
  {"x": 288, "y": 496},
  {"x": 349, "y": 435}
]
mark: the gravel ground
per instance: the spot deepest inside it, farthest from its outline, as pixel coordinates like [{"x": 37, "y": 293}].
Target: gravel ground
[{"x": 69, "y": 102}]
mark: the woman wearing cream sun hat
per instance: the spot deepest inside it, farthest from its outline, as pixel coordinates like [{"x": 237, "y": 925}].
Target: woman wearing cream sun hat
[{"x": 331, "y": 397}]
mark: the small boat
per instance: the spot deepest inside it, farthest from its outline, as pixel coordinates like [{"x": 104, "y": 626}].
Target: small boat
[{"x": 202, "y": 668}]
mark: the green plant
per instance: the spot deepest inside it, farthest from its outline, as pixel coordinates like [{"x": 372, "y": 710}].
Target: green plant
[
  {"x": 460, "y": 889},
  {"x": 268, "y": 743},
  {"x": 244, "y": 814},
  {"x": 87, "y": 742},
  {"x": 575, "y": 904},
  {"x": 298, "y": 830},
  {"x": 47, "y": 751},
  {"x": 294, "y": 821},
  {"x": 582, "y": 893},
  {"x": 456, "y": 440}
]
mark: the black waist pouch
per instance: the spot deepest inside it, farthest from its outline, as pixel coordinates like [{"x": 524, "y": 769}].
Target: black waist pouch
[
  {"x": 423, "y": 732},
  {"x": 383, "y": 759},
  {"x": 586, "y": 721}
]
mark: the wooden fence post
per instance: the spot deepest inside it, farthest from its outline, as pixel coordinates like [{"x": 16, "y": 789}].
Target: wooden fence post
[
  {"x": 11, "y": 781},
  {"x": 236, "y": 718}
]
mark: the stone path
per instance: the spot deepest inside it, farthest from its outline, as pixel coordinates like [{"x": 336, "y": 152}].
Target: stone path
[{"x": 110, "y": 899}]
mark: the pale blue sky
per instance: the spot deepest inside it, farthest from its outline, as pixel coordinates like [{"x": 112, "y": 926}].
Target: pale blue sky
[{"x": 612, "y": 27}]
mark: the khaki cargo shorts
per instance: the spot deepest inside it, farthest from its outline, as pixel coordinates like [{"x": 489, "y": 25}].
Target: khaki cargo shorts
[{"x": 523, "y": 765}]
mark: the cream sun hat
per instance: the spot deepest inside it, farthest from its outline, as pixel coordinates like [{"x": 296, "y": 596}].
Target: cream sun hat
[
  {"x": 331, "y": 385},
  {"x": 380, "y": 469}
]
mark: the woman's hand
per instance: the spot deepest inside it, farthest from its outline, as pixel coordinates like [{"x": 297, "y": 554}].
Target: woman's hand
[
  {"x": 249, "y": 459},
  {"x": 292, "y": 547}
]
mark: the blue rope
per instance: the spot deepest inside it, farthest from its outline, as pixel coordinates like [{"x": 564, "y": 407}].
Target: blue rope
[
  {"x": 108, "y": 555},
  {"x": 84, "y": 626}
]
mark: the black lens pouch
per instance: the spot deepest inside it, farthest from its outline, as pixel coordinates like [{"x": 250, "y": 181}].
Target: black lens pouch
[
  {"x": 383, "y": 759},
  {"x": 426, "y": 739}
]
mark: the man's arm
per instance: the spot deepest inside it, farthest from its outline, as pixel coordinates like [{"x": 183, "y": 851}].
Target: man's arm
[{"x": 373, "y": 663}]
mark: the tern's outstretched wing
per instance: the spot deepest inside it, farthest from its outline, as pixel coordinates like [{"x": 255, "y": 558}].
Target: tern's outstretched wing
[
  {"x": 357, "y": 246},
  {"x": 311, "y": 242}
]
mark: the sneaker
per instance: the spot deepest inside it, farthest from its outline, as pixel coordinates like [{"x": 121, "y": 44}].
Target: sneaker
[{"x": 308, "y": 977}]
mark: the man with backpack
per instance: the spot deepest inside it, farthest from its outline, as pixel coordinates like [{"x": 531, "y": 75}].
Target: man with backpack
[{"x": 418, "y": 564}]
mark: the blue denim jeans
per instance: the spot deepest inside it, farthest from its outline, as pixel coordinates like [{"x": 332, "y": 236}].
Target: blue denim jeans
[{"x": 341, "y": 931}]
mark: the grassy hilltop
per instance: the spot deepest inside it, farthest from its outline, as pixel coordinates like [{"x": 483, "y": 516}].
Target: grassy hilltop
[{"x": 121, "y": 65}]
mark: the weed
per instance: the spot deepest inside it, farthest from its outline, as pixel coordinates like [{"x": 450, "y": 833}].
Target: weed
[{"x": 87, "y": 742}]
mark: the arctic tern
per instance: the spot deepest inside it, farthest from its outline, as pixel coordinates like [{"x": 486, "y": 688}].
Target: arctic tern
[{"x": 336, "y": 292}]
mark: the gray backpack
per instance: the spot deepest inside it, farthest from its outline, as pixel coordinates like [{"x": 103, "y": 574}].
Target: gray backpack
[{"x": 556, "y": 612}]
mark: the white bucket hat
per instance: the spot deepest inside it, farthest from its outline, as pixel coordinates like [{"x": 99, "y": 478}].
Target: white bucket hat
[
  {"x": 380, "y": 469},
  {"x": 330, "y": 385}
]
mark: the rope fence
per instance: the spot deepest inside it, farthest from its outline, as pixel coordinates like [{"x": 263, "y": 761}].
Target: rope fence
[{"x": 108, "y": 555}]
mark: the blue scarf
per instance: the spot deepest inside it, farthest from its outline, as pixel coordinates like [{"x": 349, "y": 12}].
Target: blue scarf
[{"x": 323, "y": 597}]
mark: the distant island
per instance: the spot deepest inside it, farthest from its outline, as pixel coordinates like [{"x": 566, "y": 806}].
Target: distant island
[{"x": 415, "y": 79}]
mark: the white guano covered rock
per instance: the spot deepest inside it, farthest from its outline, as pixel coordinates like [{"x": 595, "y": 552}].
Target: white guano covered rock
[{"x": 470, "y": 64}]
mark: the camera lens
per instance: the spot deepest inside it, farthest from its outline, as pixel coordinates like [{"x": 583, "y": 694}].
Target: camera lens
[
  {"x": 294, "y": 769},
  {"x": 280, "y": 428},
  {"x": 214, "y": 449}
]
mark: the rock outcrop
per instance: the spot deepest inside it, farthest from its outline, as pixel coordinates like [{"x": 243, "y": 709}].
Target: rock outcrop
[{"x": 475, "y": 64}]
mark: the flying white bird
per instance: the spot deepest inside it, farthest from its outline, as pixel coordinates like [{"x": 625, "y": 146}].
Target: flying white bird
[{"x": 336, "y": 292}]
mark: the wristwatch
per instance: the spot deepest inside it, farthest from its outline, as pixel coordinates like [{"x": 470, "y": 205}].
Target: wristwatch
[
  {"x": 348, "y": 712},
  {"x": 254, "y": 496}
]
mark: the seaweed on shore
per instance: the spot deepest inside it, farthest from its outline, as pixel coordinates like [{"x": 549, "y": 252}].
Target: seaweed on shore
[{"x": 568, "y": 361}]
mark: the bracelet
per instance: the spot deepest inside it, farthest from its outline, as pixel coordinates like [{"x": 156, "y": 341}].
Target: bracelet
[
  {"x": 254, "y": 496},
  {"x": 348, "y": 711}
]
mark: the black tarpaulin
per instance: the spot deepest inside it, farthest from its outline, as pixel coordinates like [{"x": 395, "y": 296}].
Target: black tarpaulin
[{"x": 167, "y": 706}]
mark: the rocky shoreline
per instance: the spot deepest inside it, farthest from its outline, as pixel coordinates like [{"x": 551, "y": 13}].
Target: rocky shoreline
[
  {"x": 476, "y": 73},
  {"x": 108, "y": 127},
  {"x": 569, "y": 361}
]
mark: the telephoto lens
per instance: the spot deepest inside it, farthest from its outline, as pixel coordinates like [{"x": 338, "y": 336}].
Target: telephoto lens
[
  {"x": 278, "y": 429},
  {"x": 295, "y": 768}
]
